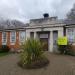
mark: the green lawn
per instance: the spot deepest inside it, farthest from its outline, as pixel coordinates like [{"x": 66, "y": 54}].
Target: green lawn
[{"x": 3, "y": 53}]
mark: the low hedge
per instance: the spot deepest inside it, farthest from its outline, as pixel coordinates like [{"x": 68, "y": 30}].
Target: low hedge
[
  {"x": 4, "y": 48},
  {"x": 66, "y": 49}
]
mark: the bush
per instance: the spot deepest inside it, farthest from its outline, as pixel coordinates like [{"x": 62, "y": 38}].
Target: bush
[
  {"x": 62, "y": 49},
  {"x": 4, "y": 48},
  {"x": 66, "y": 49},
  {"x": 70, "y": 50},
  {"x": 32, "y": 54}
]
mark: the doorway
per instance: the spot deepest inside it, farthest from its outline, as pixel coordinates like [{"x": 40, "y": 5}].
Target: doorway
[
  {"x": 44, "y": 41},
  {"x": 43, "y": 36}
]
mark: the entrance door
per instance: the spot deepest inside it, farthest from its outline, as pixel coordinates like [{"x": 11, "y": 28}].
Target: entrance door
[
  {"x": 55, "y": 36},
  {"x": 44, "y": 40}
]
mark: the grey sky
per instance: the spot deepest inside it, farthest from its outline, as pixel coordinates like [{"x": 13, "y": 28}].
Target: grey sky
[{"x": 28, "y": 9}]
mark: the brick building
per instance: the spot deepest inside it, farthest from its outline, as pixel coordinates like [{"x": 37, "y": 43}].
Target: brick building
[
  {"x": 12, "y": 33},
  {"x": 46, "y": 29}
]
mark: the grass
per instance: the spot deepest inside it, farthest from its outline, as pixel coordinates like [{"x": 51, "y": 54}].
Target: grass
[{"x": 3, "y": 53}]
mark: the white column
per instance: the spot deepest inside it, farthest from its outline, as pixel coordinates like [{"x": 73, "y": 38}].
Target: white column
[
  {"x": 35, "y": 35},
  {"x": 60, "y": 33},
  {"x": 27, "y": 35},
  {"x": 51, "y": 41}
]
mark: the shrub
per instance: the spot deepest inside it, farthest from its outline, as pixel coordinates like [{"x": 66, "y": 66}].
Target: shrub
[
  {"x": 62, "y": 49},
  {"x": 66, "y": 49},
  {"x": 32, "y": 50},
  {"x": 32, "y": 53},
  {"x": 4, "y": 48},
  {"x": 70, "y": 50}
]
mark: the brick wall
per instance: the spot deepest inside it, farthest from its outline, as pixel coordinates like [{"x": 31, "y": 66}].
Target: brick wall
[{"x": 16, "y": 45}]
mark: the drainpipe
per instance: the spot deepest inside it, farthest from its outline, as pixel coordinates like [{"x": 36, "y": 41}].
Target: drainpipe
[{"x": 64, "y": 30}]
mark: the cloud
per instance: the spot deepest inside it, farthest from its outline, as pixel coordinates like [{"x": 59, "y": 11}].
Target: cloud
[{"x": 25, "y": 10}]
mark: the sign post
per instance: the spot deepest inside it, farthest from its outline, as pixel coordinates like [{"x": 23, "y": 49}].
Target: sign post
[
  {"x": 62, "y": 44},
  {"x": 62, "y": 40}
]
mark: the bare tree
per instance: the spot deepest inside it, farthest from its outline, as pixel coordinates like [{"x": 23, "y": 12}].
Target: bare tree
[{"x": 71, "y": 14}]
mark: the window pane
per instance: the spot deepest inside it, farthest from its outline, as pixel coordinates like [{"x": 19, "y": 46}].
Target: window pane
[
  {"x": 71, "y": 35},
  {"x": 32, "y": 34},
  {"x": 13, "y": 37},
  {"x": 4, "y": 37}
]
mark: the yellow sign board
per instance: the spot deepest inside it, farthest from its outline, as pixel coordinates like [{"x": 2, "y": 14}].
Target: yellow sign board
[{"x": 62, "y": 41}]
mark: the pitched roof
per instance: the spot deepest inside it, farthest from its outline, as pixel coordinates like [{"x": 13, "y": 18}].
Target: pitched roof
[
  {"x": 12, "y": 24},
  {"x": 69, "y": 22}
]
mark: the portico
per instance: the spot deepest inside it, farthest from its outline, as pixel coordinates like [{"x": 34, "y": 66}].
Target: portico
[{"x": 49, "y": 34}]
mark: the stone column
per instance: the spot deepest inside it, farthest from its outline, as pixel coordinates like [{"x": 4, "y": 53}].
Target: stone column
[
  {"x": 51, "y": 41},
  {"x": 35, "y": 35},
  {"x": 27, "y": 35},
  {"x": 60, "y": 33}
]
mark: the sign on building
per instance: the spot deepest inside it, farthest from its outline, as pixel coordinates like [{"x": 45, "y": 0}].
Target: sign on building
[{"x": 62, "y": 41}]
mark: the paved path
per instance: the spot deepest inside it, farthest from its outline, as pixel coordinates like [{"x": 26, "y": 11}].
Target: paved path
[{"x": 59, "y": 65}]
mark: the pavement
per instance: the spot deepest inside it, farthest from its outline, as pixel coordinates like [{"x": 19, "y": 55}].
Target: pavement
[{"x": 59, "y": 65}]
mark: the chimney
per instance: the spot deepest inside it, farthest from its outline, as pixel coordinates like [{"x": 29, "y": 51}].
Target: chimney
[{"x": 46, "y": 15}]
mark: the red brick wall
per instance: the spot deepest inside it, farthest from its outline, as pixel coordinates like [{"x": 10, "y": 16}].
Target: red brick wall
[
  {"x": 16, "y": 46},
  {"x": 8, "y": 38}
]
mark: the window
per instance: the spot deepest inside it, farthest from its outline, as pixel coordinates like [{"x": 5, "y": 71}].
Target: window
[
  {"x": 22, "y": 36},
  {"x": 71, "y": 35},
  {"x": 32, "y": 34},
  {"x": 4, "y": 38},
  {"x": 13, "y": 37}
]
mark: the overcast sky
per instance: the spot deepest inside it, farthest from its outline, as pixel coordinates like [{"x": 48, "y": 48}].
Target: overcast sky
[{"x": 29, "y": 9}]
